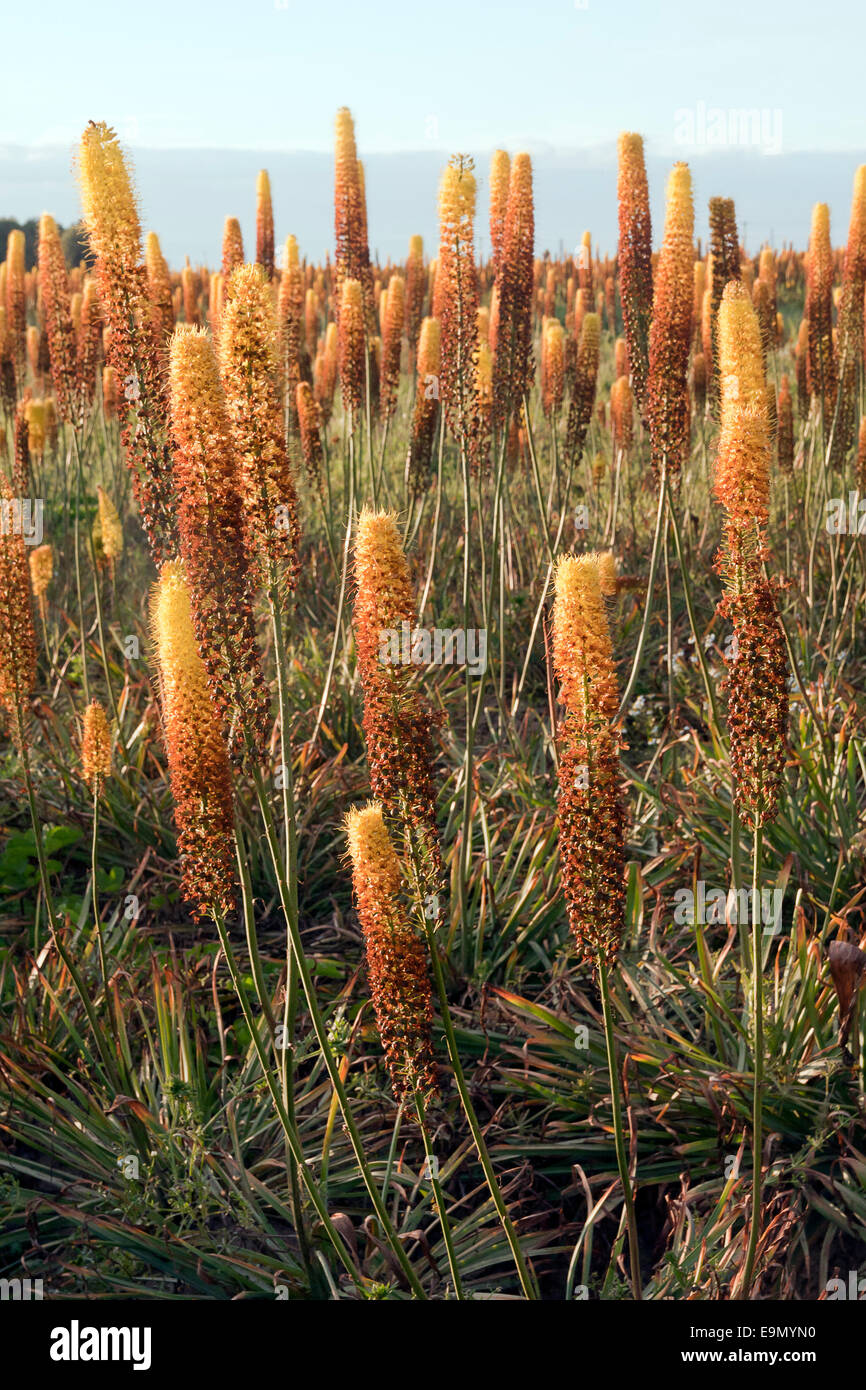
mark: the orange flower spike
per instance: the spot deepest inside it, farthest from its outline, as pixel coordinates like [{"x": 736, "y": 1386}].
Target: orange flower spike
[
  {"x": 211, "y": 524},
  {"x": 553, "y": 366},
  {"x": 820, "y": 363},
  {"x": 351, "y": 344},
  {"x": 89, "y": 340},
  {"x": 396, "y": 958},
  {"x": 95, "y": 748},
  {"x": 590, "y": 811},
  {"x": 159, "y": 294},
  {"x": 350, "y": 212},
  {"x": 397, "y": 722},
  {"x": 583, "y": 390},
  {"x": 250, "y": 377},
  {"x": 426, "y": 414},
  {"x": 114, "y": 233},
  {"x": 416, "y": 289},
  {"x": 757, "y": 687},
  {"x": 849, "y": 354},
  {"x": 457, "y": 287},
  {"x": 57, "y": 318},
  {"x": 233, "y": 247},
  {"x": 392, "y": 342},
  {"x": 264, "y": 224},
  {"x": 634, "y": 258},
  {"x": 197, "y": 758},
  {"x": 512, "y": 368},
  {"x": 500, "y": 179},
  {"x": 17, "y": 635},
  {"x": 309, "y": 425},
  {"x": 670, "y": 333},
  {"x": 16, "y": 296},
  {"x": 41, "y": 560}
]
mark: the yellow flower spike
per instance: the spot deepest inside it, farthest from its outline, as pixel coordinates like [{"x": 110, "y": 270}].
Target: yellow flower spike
[
  {"x": 396, "y": 958},
  {"x": 352, "y": 339},
  {"x": 264, "y": 224},
  {"x": 196, "y": 751},
  {"x": 249, "y": 370},
  {"x": 590, "y": 813},
  {"x": 233, "y": 246},
  {"x": 95, "y": 747},
  {"x": 41, "y": 560},
  {"x": 670, "y": 332},
  {"x": 110, "y": 526},
  {"x": 500, "y": 176}
]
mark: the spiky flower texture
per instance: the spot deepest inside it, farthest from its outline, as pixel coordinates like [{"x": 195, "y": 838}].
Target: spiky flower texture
[
  {"x": 590, "y": 810},
  {"x": 249, "y": 368},
  {"x": 757, "y": 684},
  {"x": 396, "y": 959},
  {"x": 210, "y": 521},
  {"x": 196, "y": 751},
  {"x": 397, "y": 722},
  {"x": 670, "y": 333},
  {"x": 95, "y": 747}
]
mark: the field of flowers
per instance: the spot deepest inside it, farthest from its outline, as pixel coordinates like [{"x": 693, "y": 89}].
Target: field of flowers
[{"x": 432, "y": 854}]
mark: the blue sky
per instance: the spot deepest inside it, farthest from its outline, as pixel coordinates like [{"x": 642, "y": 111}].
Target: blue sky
[{"x": 268, "y": 74}]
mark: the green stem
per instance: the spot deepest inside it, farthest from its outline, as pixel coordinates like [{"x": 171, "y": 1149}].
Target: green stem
[
  {"x": 758, "y": 1089},
  {"x": 619, "y": 1137},
  {"x": 439, "y": 1200},
  {"x": 289, "y": 908}
]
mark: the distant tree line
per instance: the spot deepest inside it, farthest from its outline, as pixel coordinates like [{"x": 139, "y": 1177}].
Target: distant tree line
[{"x": 72, "y": 239}]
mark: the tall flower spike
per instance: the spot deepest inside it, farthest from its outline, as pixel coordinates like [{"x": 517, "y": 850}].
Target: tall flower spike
[
  {"x": 849, "y": 356},
  {"x": 233, "y": 246},
  {"x": 41, "y": 570},
  {"x": 724, "y": 266},
  {"x": 820, "y": 363},
  {"x": 197, "y": 758},
  {"x": 552, "y": 366},
  {"x": 209, "y": 490},
  {"x": 110, "y": 527},
  {"x": 17, "y": 636},
  {"x": 590, "y": 809},
  {"x": 670, "y": 333},
  {"x": 500, "y": 177},
  {"x": 350, "y": 213},
  {"x": 512, "y": 368},
  {"x": 583, "y": 389},
  {"x": 89, "y": 340},
  {"x": 309, "y": 425},
  {"x": 416, "y": 289},
  {"x": 757, "y": 685},
  {"x": 264, "y": 224},
  {"x": 326, "y": 376},
  {"x": 190, "y": 289},
  {"x": 457, "y": 283},
  {"x": 16, "y": 296},
  {"x": 95, "y": 748},
  {"x": 634, "y": 259},
  {"x": 57, "y": 319},
  {"x": 426, "y": 415},
  {"x": 396, "y": 959},
  {"x": 397, "y": 722},
  {"x": 392, "y": 342},
  {"x": 742, "y": 479},
  {"x": 352, "y": 341},
  {"x": 622, "y": 414},
  {"x": 111, "y": 218},
  {"x": 250, "y": 377},
  {"x": 159, "y": 292}
]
